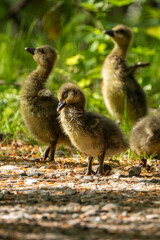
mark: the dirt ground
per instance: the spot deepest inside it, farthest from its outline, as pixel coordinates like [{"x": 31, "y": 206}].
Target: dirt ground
[{"x": 45, "y": 201}]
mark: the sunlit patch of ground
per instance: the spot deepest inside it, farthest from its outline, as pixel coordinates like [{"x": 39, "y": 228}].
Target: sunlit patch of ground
[{"x": 58, "y": 200}]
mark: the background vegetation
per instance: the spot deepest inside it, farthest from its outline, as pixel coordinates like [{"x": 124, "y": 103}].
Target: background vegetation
[{"x": 75, "y": 29}]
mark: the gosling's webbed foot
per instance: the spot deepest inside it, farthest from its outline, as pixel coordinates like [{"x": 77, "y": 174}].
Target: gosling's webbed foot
[
  {"x": 106, "y": 169},
  {"x": 53, "y": 148},
  {"x": 45, "y": 155},
  {"x": 100, "y": 170},
  {"x": 51, "y": 158},
  {"x": 90, "y": 172}
]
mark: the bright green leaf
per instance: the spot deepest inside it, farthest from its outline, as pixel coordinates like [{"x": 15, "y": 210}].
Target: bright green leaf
[
  {"x": 120, "y": 2},
  {"x": 154, "y": 31},
  {"x": 102, "y": 47},
  {"x": 84, "y": 82},
  {"x": 74, "y": 60}
]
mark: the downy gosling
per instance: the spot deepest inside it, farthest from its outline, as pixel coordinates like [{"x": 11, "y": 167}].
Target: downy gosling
[
  {"x": 121, "y": 92},
  {"x": 145, "y": 136},
  {"x": 91, "y": 133},
  {"x": 38, "y": 105}
]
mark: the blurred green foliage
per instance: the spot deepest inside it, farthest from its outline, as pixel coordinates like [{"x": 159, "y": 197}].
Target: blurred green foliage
[{"x": 75, "y": 29}]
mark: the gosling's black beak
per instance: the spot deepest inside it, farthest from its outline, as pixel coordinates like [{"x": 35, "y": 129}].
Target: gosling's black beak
[
  {"x": 60, "y": 106},
  {"x": 30, "y": 50},
  {"x": 110, "y": 33}
]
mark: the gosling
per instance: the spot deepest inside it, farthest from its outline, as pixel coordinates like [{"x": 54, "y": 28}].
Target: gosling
[
  {"x": 91, "y": 133},
  {"x": 38, "y": 105},
  {"x": 121, "y": 92},
  {"x": 145, "y": 137}
]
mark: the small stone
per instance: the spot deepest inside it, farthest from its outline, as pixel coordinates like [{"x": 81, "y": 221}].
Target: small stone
[
  {"x": 116, "y": 175},
  {"x": 135, "y": 171},
  {"x": 46, "y": 196},
  {"x": 78, "y": 176},
  {"x": 35, "y": 174},
  {"x": 43, "y": 167},
  {"x": 92, "y": 211},
  {"x": 74, "y": 222},
  {"x": 60, "y": 188},
  {"x": 30, "y": 181},
  {"x": 45, "y": 216},
  {"x": 109, "y": 207},
  {"x": 86, "y": 179},
  {"x": 23, "y": 173},
  {"x": 124, "y": 213},
  {"x": 70, "y": 191},
  {"x": 152, "y": 216},
  {"x": 48, "y": 176},
  {"x": 86, "y": 208},
  {"x": 13, "y": 216},
  {"x": 32, "y": 192},
  {"x": 75, "y": 215},
  {"x": 139, "y": 186},
  {"x": 11, "y": 169}
]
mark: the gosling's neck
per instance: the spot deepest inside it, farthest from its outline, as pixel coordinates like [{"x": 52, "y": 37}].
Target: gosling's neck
[
  {"x": 43, "y": 71},
  {"x": 36, "y": 80},
  {"x": 120, "y": 51}
]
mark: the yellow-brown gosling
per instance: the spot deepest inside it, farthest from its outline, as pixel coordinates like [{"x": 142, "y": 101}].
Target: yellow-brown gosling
[
  {"x": 92, "y": 134},
  {"x": 145, "y": 136},
  {"x": 38, "y": 105},
  {"x": 120, "y": 89}
]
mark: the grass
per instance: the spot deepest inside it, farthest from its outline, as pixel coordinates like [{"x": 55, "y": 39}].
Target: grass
[{"x": 79, "y": 61}]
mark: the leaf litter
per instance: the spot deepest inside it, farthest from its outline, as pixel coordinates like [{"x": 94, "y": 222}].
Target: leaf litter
[{"x": 57, "y": 200}]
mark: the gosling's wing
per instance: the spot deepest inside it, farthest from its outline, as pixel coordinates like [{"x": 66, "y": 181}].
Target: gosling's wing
[
  {"x": 91, "y": 121},
  {"x": 95, "y": 121},
  {"x": 107, "y": 131},
  {"x": 47, "y": 104},
  {"x": 46, "y": 97},
  {"x": 135, "y": 93},
  {"x": 45, "y": 94},
  {"x": 100, "y": 125}
]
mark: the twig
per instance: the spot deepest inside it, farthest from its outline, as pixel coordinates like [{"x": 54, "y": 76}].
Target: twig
[
  {"x": 133, "y": 68},
  {"x": 2, "y": 82}
]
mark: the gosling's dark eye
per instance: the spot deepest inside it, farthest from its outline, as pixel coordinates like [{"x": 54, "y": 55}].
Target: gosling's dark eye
[
  {"x": 74, "y": 93},
  {"x": 120, "y": 31},
  {"x": 64, "y": 95},
  {"x": 41, "y": 50}
]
